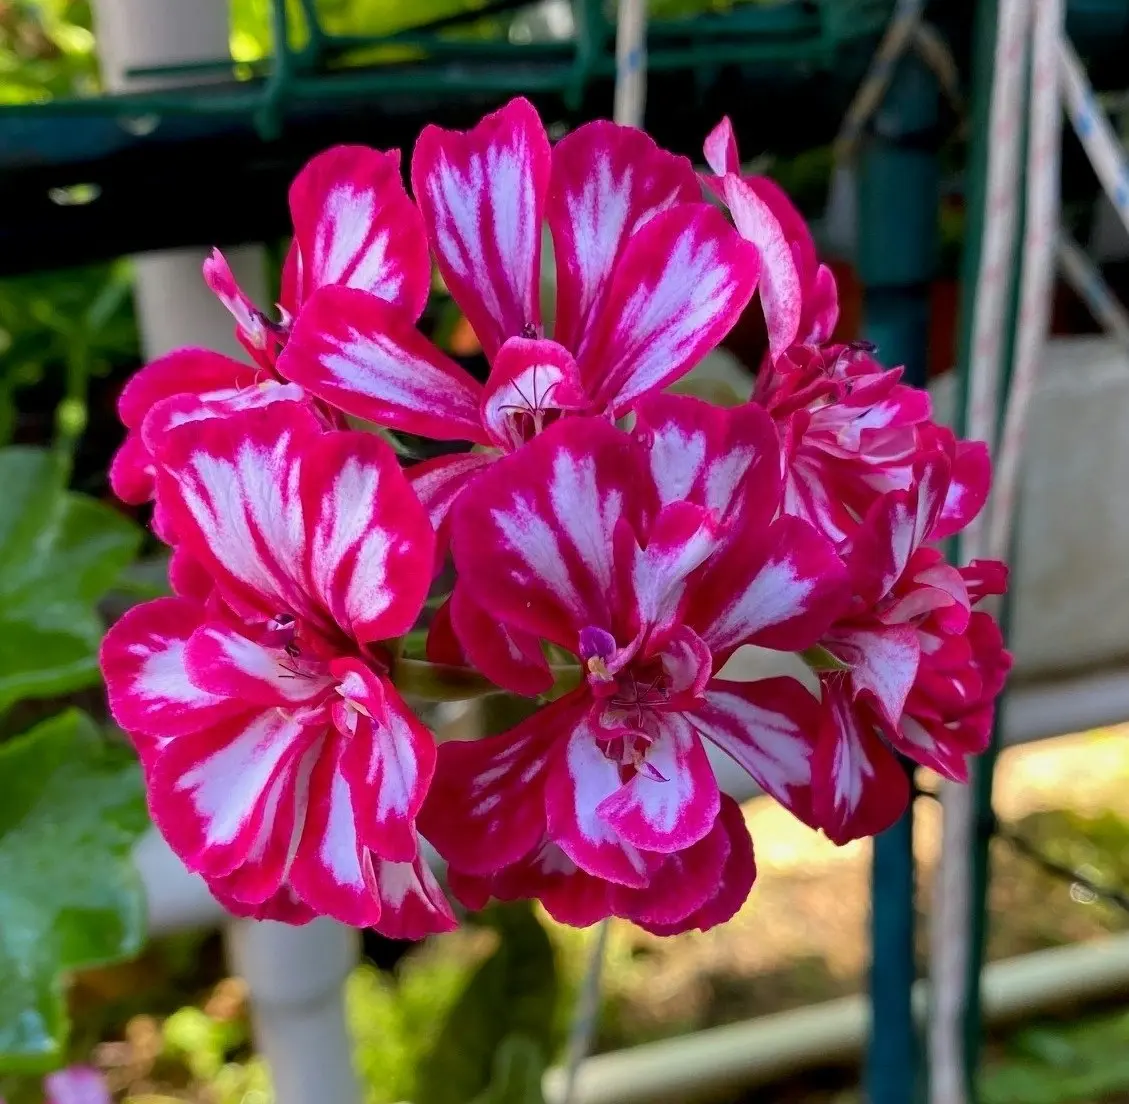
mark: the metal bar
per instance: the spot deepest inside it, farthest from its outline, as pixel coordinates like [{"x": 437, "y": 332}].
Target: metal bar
[{"x": 899, "y": 189}]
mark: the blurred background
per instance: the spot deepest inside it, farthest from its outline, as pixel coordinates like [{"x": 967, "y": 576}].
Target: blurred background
[{"x": 134, "y": 134}]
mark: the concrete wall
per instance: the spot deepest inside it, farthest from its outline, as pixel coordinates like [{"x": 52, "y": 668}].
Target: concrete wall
[{"x": 1071, "y": 568}]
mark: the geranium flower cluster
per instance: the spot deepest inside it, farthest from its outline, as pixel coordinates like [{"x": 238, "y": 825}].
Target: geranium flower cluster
[{"x": 613, "y": 544}]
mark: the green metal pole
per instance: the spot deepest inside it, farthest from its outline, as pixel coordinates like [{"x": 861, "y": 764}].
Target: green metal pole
[
  {"x": 899, "y": 190},
  {"x": 983, "y": 769}
]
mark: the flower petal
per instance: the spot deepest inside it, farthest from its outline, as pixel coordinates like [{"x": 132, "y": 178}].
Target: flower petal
[
  {"x": 438, "y": 482},
  {"x": 681, "y": 538},
  {"x": 142, "y": 661},
  {"x": 388, "y": 761},
  {"x": 226, "y": 798},
  {"x": 412, "y": 902},
  {"x": 365, "y": 357},
  {"x": 231, "y": 489},
  {"x": 720, "y": 149},
  {"x": 726, "y": 460},
  {"x": 967, "y": 491},
  {"x": 858, "y": 786},
  {"x": 581, "y": 778},
  {"x": 290, "y": 520},
  {"x": 680, "y": 284},
  {"x": 768, "y": 727},
  {"x": 607, "y": 182},
  {"x": 486, "y": 806},
  {"x": 251, "y": 326},
  {"x": 283, "y": 907},
  {"x": 533, "y": 536},
  {"x": 508, "y": 657},
  {"x": 781, "y": 280},
  {"x": 226, "y": 663},
  {"x": 671, "y": 813},
  {"x": 883, "y": 662},
  {"x": 183, "y": 371},
  {"x": 371, "y": 544},
  {"x": 681, "y": 882},
  {"x": 482, "y": 194},
  {"x": 570, "y": 895},
  {"x": 356, "y": 226},
  {"x": 731, "y": 887},
  {"x": 530, "y": 381},
  {"x": 778, "y": 588},
  {"x": 332, "y": 871},
  {"x": 76, "y": 1085}
]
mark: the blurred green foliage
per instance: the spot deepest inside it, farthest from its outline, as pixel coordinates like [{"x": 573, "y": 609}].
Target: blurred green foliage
[{"x": 71, "y": 807}]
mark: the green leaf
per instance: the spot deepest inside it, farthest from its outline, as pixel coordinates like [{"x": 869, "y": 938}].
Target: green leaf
[
  {"x": 71, "y": 807},
  {"x": 820, "y": 659},
  {"x": 59, "y": 553},
  {"x": 519, "y": 1066},
  {"x": 513, "y": 992}
]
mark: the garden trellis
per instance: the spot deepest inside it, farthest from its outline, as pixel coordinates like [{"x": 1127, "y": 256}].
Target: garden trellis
[{"x": 894, "y": 275}]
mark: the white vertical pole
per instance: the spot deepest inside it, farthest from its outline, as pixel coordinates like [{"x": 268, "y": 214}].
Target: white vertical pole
[
  {"x": 174, "y": 306},
  {"x": 294, "y": 975}
]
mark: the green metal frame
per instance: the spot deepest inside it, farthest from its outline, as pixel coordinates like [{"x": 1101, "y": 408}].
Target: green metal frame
[
  {"x": 320, "y": 67},
  {"x": 899, "y": 194}
]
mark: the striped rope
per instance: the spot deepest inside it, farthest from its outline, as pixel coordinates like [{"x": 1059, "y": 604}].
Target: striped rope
[
  {"x": 950, "y": 930},
  {"x": 1094, "y": 130},
  {"x": 630, "y": 63},
  {"x": 1038, "y": 269}
]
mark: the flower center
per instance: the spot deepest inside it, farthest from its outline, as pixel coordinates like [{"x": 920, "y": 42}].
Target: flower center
[{"x": 629, "y": 691}]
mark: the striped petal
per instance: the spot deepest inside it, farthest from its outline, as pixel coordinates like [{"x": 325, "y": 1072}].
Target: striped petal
[
  {"x": 533, "y": 535},
  {"x": 676, "y": 804},
  {"x": 332, "y": 871},
  {"x": 769, "y": 728},
  {"x": 680, "y": 284},
  {"x": 388, "y": 761},
  {"x": 725, "y": 460},
  {"x": 530, "y": 383},
  {"x": 322, "y": 526},
  {"x": 229, "y": 797},
  {"x": 482, "y": 194},
  {"x": 143, "y": 664},
  {"x": 858, "y": 786},
  {"x": 582, "y": 779},
  {"x": 356, "y": 226},
  {"x": 607, "y": 182},
  {"x": 779, "y": 587},
  {"x": 486, "y": 806},
  {"x": 365, "y": 357}
]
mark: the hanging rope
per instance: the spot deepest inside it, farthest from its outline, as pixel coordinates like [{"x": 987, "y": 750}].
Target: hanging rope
[
  {"x": 950, "y": 929},
  {"x": 630, "y": 62},
  {"x": 1094, "y": 131},
  {"x": 1037, "y": 277}
]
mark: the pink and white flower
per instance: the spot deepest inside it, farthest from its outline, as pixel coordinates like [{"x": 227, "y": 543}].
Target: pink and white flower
[
  {"x": 281, "y": 763},
  {"x": 589, "y": 540},
  {"x": 649, "y": 278},
  {"x": 907, "y": 603},
  {"x": 797, "y": 293},
  {"x": 694, "y": 889},
  {"x": 354, "y": 227},
  {"x": 186, "y": 385}
]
